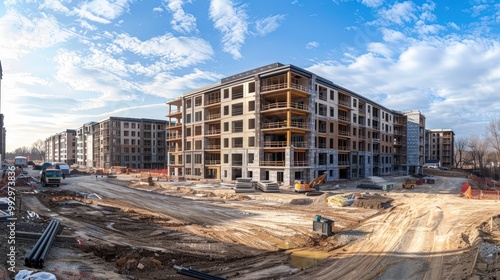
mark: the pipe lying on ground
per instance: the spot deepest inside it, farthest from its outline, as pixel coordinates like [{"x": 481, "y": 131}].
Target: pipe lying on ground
[
  {"x": 38, "y": 253},
  {"x": 196, "y": 274}
]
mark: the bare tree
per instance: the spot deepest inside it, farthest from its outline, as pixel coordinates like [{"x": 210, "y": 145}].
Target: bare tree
[
  {"x": 478, "y": 149},
  {"x": 460, "y": 147},
  {"x": 38, "y": 149}
]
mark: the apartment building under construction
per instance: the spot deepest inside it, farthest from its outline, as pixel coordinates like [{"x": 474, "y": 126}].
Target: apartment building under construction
[
  {"x": 440, "y": 144},
  {"x": 283, "y": 123}
]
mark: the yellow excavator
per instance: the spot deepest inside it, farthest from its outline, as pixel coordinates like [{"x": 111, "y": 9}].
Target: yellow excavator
[{"x": 302, "y": 186}]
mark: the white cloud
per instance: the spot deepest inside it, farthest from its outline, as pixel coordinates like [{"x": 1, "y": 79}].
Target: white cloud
[
  {"x": 231, "y": 22},
  {"x": 102, "y": 11},
  {"x": 448, "y": 79},
  {"x": 399, "y": 13},
  {"x": 170, "y": 86},
  {"x": 372, "y": 3},
  {"x": 22, "y": 35},
  {"x": 175, "y": 51},
  {"x": 380, "y": 48},
  {"x": 312, "y": 45},
  {"x": 268, "y": 24},
  {"x": 54, "y": 5},
  {"x": 181, "y": 22}
]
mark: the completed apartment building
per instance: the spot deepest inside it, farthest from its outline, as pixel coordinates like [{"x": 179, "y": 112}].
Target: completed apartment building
[
  {"x": 61, "y": 147},
  {"x": 440, "y": 146},
  {"x": 115, "y": 141},
  {"x": 129, "y": 142},
  {"x": 283, "y": 123}
]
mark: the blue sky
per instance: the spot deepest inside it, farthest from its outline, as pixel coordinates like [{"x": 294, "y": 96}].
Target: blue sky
[{"x": 69, "y": 62}]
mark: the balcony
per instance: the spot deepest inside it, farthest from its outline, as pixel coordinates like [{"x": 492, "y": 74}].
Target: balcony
[
  {"x": 174, "y": 112},
  {"x": 344, "y": 133},
  {"x": 211, "y": 101},
  {"x": 343, "y": 163},
  {"x": 280, "y": 105},
  {"x": 345, "y": 103},
  {"x": 213, "y": 116},
  {"x": 267, "y": 88},
  {"x": 212, "y": 132},
  {"x": 274, "y": 144},
  {"x": 283, "y": 124},
  {"x": 272, "y": 163},
  {"x": 213, "y": 147},
  {"x": 212, "y": 162},
  {"x": 300, "y": 163}
]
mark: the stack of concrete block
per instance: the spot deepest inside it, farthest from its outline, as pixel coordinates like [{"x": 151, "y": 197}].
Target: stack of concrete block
[
  {"x": 268, "y": 186},
  {"x": 244, "y": 185}
]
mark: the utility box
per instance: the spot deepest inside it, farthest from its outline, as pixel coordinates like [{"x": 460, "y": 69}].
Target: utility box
[{"x": 323, "y": 226}]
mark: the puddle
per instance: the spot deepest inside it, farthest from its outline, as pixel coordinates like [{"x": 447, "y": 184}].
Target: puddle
[{"x": 306, "y": 258}]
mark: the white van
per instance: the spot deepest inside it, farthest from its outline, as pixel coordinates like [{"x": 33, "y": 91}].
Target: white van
[{"x": 63, "y": 167}]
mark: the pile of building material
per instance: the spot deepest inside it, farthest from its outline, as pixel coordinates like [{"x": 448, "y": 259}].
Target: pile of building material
[
  {"x": 268, "y": 186},
  {"x": 244, "y": 185}
]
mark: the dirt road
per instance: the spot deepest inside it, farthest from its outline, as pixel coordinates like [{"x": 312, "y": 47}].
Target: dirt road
[{"x": 140, "y": 232}]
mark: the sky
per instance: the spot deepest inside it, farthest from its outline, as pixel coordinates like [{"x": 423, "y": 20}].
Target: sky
[{"x": 68, "y": 62}]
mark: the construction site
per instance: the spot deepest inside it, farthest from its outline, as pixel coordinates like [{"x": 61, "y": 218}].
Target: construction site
[{"x": 143, "y": 226}]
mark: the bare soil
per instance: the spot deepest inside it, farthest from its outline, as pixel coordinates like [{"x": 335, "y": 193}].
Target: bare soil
[{"x": 126, "y": 229}]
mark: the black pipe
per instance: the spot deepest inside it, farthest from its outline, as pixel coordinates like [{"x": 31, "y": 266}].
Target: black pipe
[
  {"x": 196, "y": 274},
  {"x": 29, "y": 258},
  {"x": 39, "y": 250},
  {"x": 48, "y": 246}
]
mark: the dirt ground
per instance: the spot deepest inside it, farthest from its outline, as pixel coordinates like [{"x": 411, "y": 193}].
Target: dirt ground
[{"x": 125, "y": 229}]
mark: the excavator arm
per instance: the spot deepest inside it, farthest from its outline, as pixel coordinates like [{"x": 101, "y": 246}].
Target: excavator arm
[{"x": 317, "y": 181}]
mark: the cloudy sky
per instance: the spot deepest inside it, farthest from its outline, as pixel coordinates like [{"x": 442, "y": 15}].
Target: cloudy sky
[{"x": 69, "y": 62}]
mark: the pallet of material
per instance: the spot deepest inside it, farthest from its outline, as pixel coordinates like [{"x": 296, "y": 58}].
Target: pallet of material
[
  {"x": 268, "y": 186},
  {"x": 244, "y": 185}
]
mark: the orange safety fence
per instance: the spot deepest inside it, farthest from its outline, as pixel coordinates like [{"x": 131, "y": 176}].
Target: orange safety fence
[
  {"x": 468, "y": 192},
  {"x": 487, "y": 182}
]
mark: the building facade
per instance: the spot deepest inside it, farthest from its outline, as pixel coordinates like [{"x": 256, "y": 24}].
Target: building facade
[
  {"x": 283, "y": 123},
  {"x": 61, "y": 147},
  {"x": 440, "y": 146},
  {"x": 84, "y": 145},
  {"x": 129, "y": 142}
]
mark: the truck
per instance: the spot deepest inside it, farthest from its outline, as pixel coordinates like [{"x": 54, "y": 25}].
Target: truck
[
  {"x": 50, "y": 177},
  {"x": 20, "y": 161}
]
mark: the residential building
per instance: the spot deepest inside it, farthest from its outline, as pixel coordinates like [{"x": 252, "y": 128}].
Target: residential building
[
  {"x": 440, "y": 146},
  {"x": 130, "y": 142},
  {"x": 283, "y": 123},
  {"x": 61, "y": 147},
  {"x": 84, "y": 145}
]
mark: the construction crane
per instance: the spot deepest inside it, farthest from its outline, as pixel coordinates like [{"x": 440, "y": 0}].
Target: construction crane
[{"x": 301, "y": 186}]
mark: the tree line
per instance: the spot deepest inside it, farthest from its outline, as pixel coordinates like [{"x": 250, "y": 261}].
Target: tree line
[
  {"x": 35, "y": 153},
  {"x": 481, "y": 153}
]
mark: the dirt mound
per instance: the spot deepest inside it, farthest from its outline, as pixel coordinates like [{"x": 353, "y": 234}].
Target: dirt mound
[{"x": 373, "y": 201}]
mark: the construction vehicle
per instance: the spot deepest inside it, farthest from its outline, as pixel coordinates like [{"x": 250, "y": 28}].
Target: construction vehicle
[
  {"x": 302, "y": 186},
  {"x": 411, "y": 183},
  {"x": 50, "y": 176}
]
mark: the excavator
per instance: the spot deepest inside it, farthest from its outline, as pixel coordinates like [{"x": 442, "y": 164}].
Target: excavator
[{"x": 302, "y": 186}]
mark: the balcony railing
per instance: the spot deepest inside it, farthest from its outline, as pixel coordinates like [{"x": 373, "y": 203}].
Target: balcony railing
[
  {"x": 213, "y": 116},
  {"x": 212, "y": 101},
  {"x": 272, "y": 163},
  {"x": 176, "y": 111},
  {"x": 344, "y": 133},
  {"x": 299, "y": 144},
  {"x": 343, "y": 148},
  {"x": 274, "y": 144},
  {"x": 213, "y": 147},
  {"x": 345, "y": 103},
  {"x": 343, "y": 162},
  {"x": 282, "y": 124},
  {"x": 301, "y": 163},
  {"x": 277, "y": 105},
  {"x": 283, "y": 86},
  {"x": 344, "y": 118},
  {"x": 237, "y": 163},
  {"x": 212, "y": 161},
  {"x": 237, "y": 129},
  {"x": 172, "y": 125},
  {"x": 212, "y": 131}
]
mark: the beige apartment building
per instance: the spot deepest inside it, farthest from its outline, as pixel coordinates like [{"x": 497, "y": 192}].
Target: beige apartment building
[
  {"x": 283, "y": 123},
  {"x": 84, "y": 145},
  {"x": 440, "y": 146}
]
